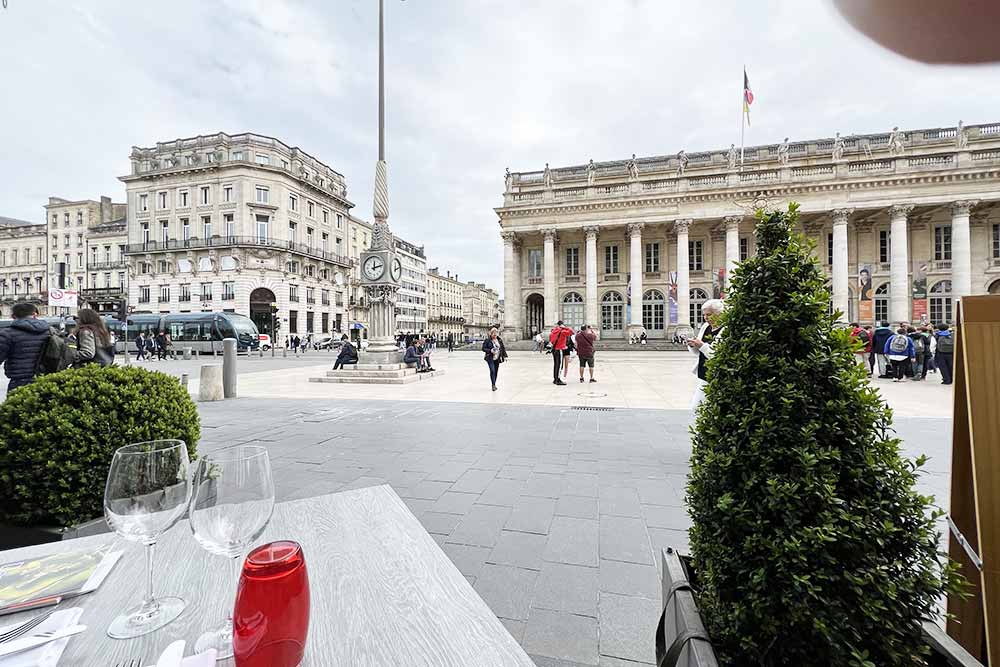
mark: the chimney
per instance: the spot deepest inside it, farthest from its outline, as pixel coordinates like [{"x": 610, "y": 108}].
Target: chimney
[{"x": 105, "y": 215}]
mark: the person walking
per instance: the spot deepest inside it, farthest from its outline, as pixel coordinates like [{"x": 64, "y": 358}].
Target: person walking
[
  {"x": 150, "y": 345},
  {"x": 865, "y": 340},
  {"x": 899, "y": 350},
  {"x": 919, "y": 353},
  {"x": 21, "y": 344},
  {"x": 161, "y": 345},
  {"x": 348, "y": 354},
  {"x": 495, "y": 354},
  {"x": 140, "y": 346},
  {"x": 93, "y": 340},
  {"x": 880, "y": 337},
  {"x": 569, "y": 354},
  {"x": 451, "y": 342},
  {"x": 929, "y": 364},
  {"x": 558, "y": 337},
  {"x": 585, "y": 349},
  {"x": 945, "y": 350}
]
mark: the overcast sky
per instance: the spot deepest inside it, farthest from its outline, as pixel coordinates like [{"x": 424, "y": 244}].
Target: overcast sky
[{"x": 473, "y": 86}]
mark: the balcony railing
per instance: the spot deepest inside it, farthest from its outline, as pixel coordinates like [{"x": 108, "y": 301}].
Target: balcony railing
[
  {"x": 107, "y": 266},
  {"x": 940, "y": 265},
  {"x": 102, "y": 293},
  {"x": 32, "y": 297},
  {"x": 234, "y": 241}
]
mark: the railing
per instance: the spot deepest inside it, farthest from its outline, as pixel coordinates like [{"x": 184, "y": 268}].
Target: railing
[
  {"x": 15, "y": 298},
  {"x": 932, "y": 161},
  {"x": 571, "y": 279},
  {"x": 107, "y": 266},
  {"x": 535, "y": 280},
  {"x": 940, "y": 265},
  {"x": 228, "y": 296},
  {"x": 995, "y": 261},
  {"x": 707, "y": 181},
  {"x": 873, "y": 165},
  {"x": 658, "y": 186},
  {"x": 812, "y": 172},
  {"x": 985, "y": 155},
  {"x": 312, "y": 301},
  {"x": 758, "y": 177},
  {"x": 989, "y": 129},
  {"x": 184, "y": 297},
  {"x": 102, "y": 293},
  {"x": 571, "y": 193},
  {"x": 613, "y": 189},
  {"x": 230, "y": 241}
]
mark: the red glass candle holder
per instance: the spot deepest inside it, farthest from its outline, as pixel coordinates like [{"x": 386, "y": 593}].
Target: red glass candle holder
[{"x": 271, "y": 618}]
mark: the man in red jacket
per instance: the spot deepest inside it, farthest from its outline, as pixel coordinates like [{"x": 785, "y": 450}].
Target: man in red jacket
[
  {"x": 558, "y": 338},
  {"x": 585, "y": 349}
]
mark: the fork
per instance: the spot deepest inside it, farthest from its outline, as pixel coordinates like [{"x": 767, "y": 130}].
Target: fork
[
  {"x": 134, "y": 662},
  {"x": 25, "y": 627}
]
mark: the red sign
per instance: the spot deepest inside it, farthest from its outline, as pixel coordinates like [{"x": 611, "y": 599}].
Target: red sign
[{"x": 919, "y": 310}]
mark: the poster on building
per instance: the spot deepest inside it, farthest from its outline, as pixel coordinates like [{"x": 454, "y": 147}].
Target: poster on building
[
  {"x": 865, "y": 303},
  {"x": 672, "y": 295},
  {"x": 62, "y": 298},
  {"x": 919, "y": 291},
  {"x": 719, "y": 284}
]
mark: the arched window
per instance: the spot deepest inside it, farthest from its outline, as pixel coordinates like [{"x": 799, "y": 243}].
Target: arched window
[
  {"x": 881, "y": 303},
  {"x": 572, "y": 310},
  {"x": 994, "y": 287},
  {"x": 654, "y": 308},
  {"x": 612, "y": 313},
  {"x": 698, "y": 297},
  {"x": 941, "y": 302}
]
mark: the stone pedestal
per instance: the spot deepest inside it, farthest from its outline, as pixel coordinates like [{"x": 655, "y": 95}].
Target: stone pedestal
[
  {"x": 210, "y": 383},
  {"x": 371, "y": 373}
]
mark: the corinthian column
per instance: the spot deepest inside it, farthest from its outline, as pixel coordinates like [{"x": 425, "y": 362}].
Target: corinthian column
[
  {"x": 549, "y": 271},
  {"x": 511, "y": 286},
  {"x": 732, "y": 243},
  {"x": 840, "y": 279},
  {"x": 593, "y": 315},
  {"x": 683, "y": 275},
  {"x": 899, "y": 268},
  {"x": 961, "y": 249},
  {"x": 635, "y": 267}
]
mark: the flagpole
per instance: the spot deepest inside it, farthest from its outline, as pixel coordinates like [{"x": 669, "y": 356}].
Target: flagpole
[{"x": 743, "y": 114}]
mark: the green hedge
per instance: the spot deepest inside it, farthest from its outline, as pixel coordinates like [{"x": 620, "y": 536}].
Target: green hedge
[
  {"x": 58, "y": 435},
  {"x": 811, "y": 544}
]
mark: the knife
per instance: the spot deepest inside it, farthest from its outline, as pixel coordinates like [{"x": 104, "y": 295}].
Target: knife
[
  {"x": 172, "y": 655},
  {"x": 28, "y": 643}
]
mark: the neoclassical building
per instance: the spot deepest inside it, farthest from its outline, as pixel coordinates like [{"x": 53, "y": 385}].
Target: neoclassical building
[
  {"x": 904, "y": 223},
  {"x": 22, "y": 264}
]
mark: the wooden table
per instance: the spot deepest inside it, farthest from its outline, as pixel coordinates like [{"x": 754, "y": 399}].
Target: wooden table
[{"x": 382, "y": 591}]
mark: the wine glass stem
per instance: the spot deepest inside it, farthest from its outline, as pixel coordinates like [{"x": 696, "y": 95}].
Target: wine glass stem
[
  {"x": 148, "y": 601},
  {"x": 234, "y": 568}
]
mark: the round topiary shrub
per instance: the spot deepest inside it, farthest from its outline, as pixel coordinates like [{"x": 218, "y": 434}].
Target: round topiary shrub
[
  {"x": 810, "y": 543},
  {"x": 58, "y": 434}
]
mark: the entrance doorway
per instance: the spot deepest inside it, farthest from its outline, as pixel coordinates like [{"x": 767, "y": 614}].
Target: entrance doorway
[
  {"x": 534, "y": 314},
  {"x": 260, "y": 311}
]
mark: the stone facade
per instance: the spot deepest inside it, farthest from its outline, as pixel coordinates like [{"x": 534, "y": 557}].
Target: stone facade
[
  {"x": 358, "y": 241},
  {"x": 444, "y": 304},
  {"x": 234, "y": 223},
  {"x": 22, "y": 264},
  {"x": 902, "y": 230},
  {"x": 479, "y": 308},
  {"x": 411, "y": 301}
]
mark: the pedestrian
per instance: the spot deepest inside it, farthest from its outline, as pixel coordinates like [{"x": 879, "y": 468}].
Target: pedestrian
[
  {"x": 161, "y": 345},
  {"x": 348, "y": 354},
  {"x": 451, "y": 342},
  {"x": 701, "y": 345},
  {"x": 539, "y": 344},
  {"x": 918, "y": 353},
  {"x": 412, "y": 356},
  {"x": 944, "y": 352},
  {"x": 21, "y": 345},
  {"x": 140, "y": 346},
  {"x": 168, "y": 345},
  {"x": 865, "y": 343},
  {"x": 93, "y": 340},
  {"x": 899, "y": 350},
  {"x": 585, "y": 349},
  {"x": 926, "y": 338},
  {"x": 929, "y": 364},
  {"x": 879, "y": 338},
  {"x": 424, "y": 350},
  {"x": 870, "y": 346},
  {"x": 558, "y": 337},
  {"x": 495, "y": 354},
  {"x": 569, "y": 353}
]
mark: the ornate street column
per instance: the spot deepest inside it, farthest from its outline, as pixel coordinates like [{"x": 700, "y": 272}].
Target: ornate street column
[
  {"x": 510, "y": 285},
  {"x": 549, "y": 271},
  {"x": 683, "y": 274},
  {"x": 732, "y": 244},
  {"x": 899, "y": 265},
  {"x": 961, "y": 249},
  {"x": 635, "y": 267},
  {"x": 593, "y": 314},
  {"x": 840, "y": 277}
]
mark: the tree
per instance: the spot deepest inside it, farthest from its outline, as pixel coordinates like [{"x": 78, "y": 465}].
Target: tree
[{"x": 810, "y": 544}]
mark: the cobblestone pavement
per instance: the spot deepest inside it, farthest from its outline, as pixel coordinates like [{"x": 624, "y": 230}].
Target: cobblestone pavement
[{"x": 556, "y": 515}]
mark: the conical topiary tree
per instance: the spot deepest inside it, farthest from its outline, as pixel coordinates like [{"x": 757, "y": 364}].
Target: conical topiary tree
[{"x": 811, "y": 546}]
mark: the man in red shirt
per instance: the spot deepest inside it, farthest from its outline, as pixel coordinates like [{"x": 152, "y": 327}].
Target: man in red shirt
[
  {"x": 558, "y": 338},
  {"x": 585, "y": 349}
]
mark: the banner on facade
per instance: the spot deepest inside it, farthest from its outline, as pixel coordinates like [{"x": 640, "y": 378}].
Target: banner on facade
[
  {"x": 672, "y": 296},
  {"x": 865, "y": 304},
  {"x": 919, "y": 291},
  {"x": 719, "y": 284},
  {"x": 62, "y": 298}
]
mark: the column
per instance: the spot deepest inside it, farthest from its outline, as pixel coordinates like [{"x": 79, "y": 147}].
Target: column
[
  {"x": 683, "y": 276},
  {"x": 732, "y": 244},
  {"x": 592, "y": 313},
  {"x": 549, "y": 271},
  {"x": 510, "y": 283},
  {"x": 635, "y": 267},
  {"x": 961, "y": 249},
  {"x": 840, "y": 277},
  {"x": 899, "y": 267},
  {"x": 518, "y": 307}
]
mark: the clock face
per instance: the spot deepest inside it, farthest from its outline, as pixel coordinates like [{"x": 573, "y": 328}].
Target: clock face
[
  {"x": 396, "y": 271},
  {"x": 374, "y": 268}
]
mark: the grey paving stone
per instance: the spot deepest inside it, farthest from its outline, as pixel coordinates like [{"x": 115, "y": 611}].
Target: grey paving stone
[
  {"x": 661, "y": 538},
  {"x": 428, "y": 490},
  {"x": 438, "y": 522},
  {"x": 561, "y": 635},
  {"x": 468, "y": 559},
  {"x": 665, "y": 516},
  {"x": 627, "y": 625},
  {"x": 532, "y": 515},
  {"x": 417, "y": 505},
  {"x": 455, "y": 503},
  {"x": 570, "y": 588},
  {"x": 515, "y": 628},
  {"x": 514, "y": 472},
  {"x": 573, "y": 541},
  {"x": 449, "y": 472},
  {"x": 481, "y": 526},
  {"x": 555, "y": 468},
  {"x": 577, "y": 506},
  {"x": 546, "y": 661},
  {"x": 656, "y": 492},
  {"x": 581, "y": 484},
  {"x": 546, "y": 485},
  {"x": 474, "y": 481},
  {"x": 502, "y": 492},
  {"x": 608, "y": 661},
  {"x": 630, "y": 579},
  {"x": 518, "y": 549},
  {"x": 619, "y": 501},
  {"x": 506, "y": 590},
  {"x": 625, "y": 538}
]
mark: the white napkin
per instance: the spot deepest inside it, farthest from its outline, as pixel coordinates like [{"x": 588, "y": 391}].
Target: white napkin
[
  {"x": 46, "y": 655},
  {"x": 206, "y": 659}
]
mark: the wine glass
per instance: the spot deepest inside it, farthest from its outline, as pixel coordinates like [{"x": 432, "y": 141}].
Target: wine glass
[
  {"x": 147, "y": 492},
  {"x": 231, "y": 503}
]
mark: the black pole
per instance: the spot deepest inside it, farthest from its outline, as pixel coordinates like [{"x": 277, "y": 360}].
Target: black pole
[{"x": 381, "y": 87}]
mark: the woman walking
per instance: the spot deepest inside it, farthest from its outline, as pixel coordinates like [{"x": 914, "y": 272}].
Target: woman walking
[
  {"x": 495, "y": 354},
  {"x": 93, "y": 340}
]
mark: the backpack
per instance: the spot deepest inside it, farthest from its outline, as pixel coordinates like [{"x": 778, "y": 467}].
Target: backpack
[
  {"x": 899, "y": 344},
  {"x": 945, "y": 344},
  {"x": 918, "y": 344},
  {"x": 864, "y": 336},
  {"x": 54, "y": 356}
]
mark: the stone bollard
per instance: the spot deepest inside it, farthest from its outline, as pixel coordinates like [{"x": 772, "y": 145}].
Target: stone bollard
[
  {"x": 184, "y": 381},
  {"x": 210, "y": 383},
  {"x": 187, "y": 353},
  {"x": 229, "y": 367},
  {"x": 284, "y": 352}
]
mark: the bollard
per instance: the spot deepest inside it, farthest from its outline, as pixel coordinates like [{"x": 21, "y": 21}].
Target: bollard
[
  {"x": 229, "y": 367},
  {"x": 210, "y": 386},
  {"x": 261, "y": 350},
  {"x": 184, "y": 381},
  {"x": 187, "y": 354}
]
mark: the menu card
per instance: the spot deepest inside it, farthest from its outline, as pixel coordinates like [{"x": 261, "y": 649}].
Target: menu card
[{"x": 36, "y": 582}]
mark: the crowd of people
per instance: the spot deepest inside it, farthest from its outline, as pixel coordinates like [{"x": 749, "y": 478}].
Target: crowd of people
[
  {"x": 905, "y": 352},
  {"x": 154, "y": 345}
]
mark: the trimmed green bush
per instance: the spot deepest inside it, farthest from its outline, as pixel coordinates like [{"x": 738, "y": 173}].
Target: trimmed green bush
[
  {"x": 811, "y": 546},
  {"x": 58, "y": 435}
]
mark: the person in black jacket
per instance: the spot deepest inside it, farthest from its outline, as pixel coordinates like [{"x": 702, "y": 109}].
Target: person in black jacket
[
  {"x": 879, "y": 337},
  {"x": 348, "y": 354},
  {"x": 21, "y": 345},
  {"x": 495, "y": 354}
]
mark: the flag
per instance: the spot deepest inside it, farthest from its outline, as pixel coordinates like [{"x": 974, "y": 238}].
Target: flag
[{"x": 747, "y": 95}]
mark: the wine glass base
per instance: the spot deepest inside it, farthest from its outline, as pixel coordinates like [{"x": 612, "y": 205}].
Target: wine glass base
[
  {"x": 221, "y": 639},
  {"x": 137, "y": 621}
]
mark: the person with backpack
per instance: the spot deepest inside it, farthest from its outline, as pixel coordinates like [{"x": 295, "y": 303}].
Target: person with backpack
[
  {"x": 945, "y": 350},
  {"x": 861, "y": 335},
  {"x": 22, "y": 343},
  {"x": 93, "y": 341},
  {"x": 558, "y": 337},
  {"x": 880, "y": 337},
  {"x": 920, "y": 352},
  {"x": 899, "y": 350}
]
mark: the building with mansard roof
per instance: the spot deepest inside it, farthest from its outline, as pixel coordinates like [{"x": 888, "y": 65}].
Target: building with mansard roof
[{"x": 904, "y": 223}]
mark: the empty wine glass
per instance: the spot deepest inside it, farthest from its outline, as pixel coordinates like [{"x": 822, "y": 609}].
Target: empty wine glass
[
  {"x": 147, "y": 492},
  {"x": 231, "y": 503}
]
